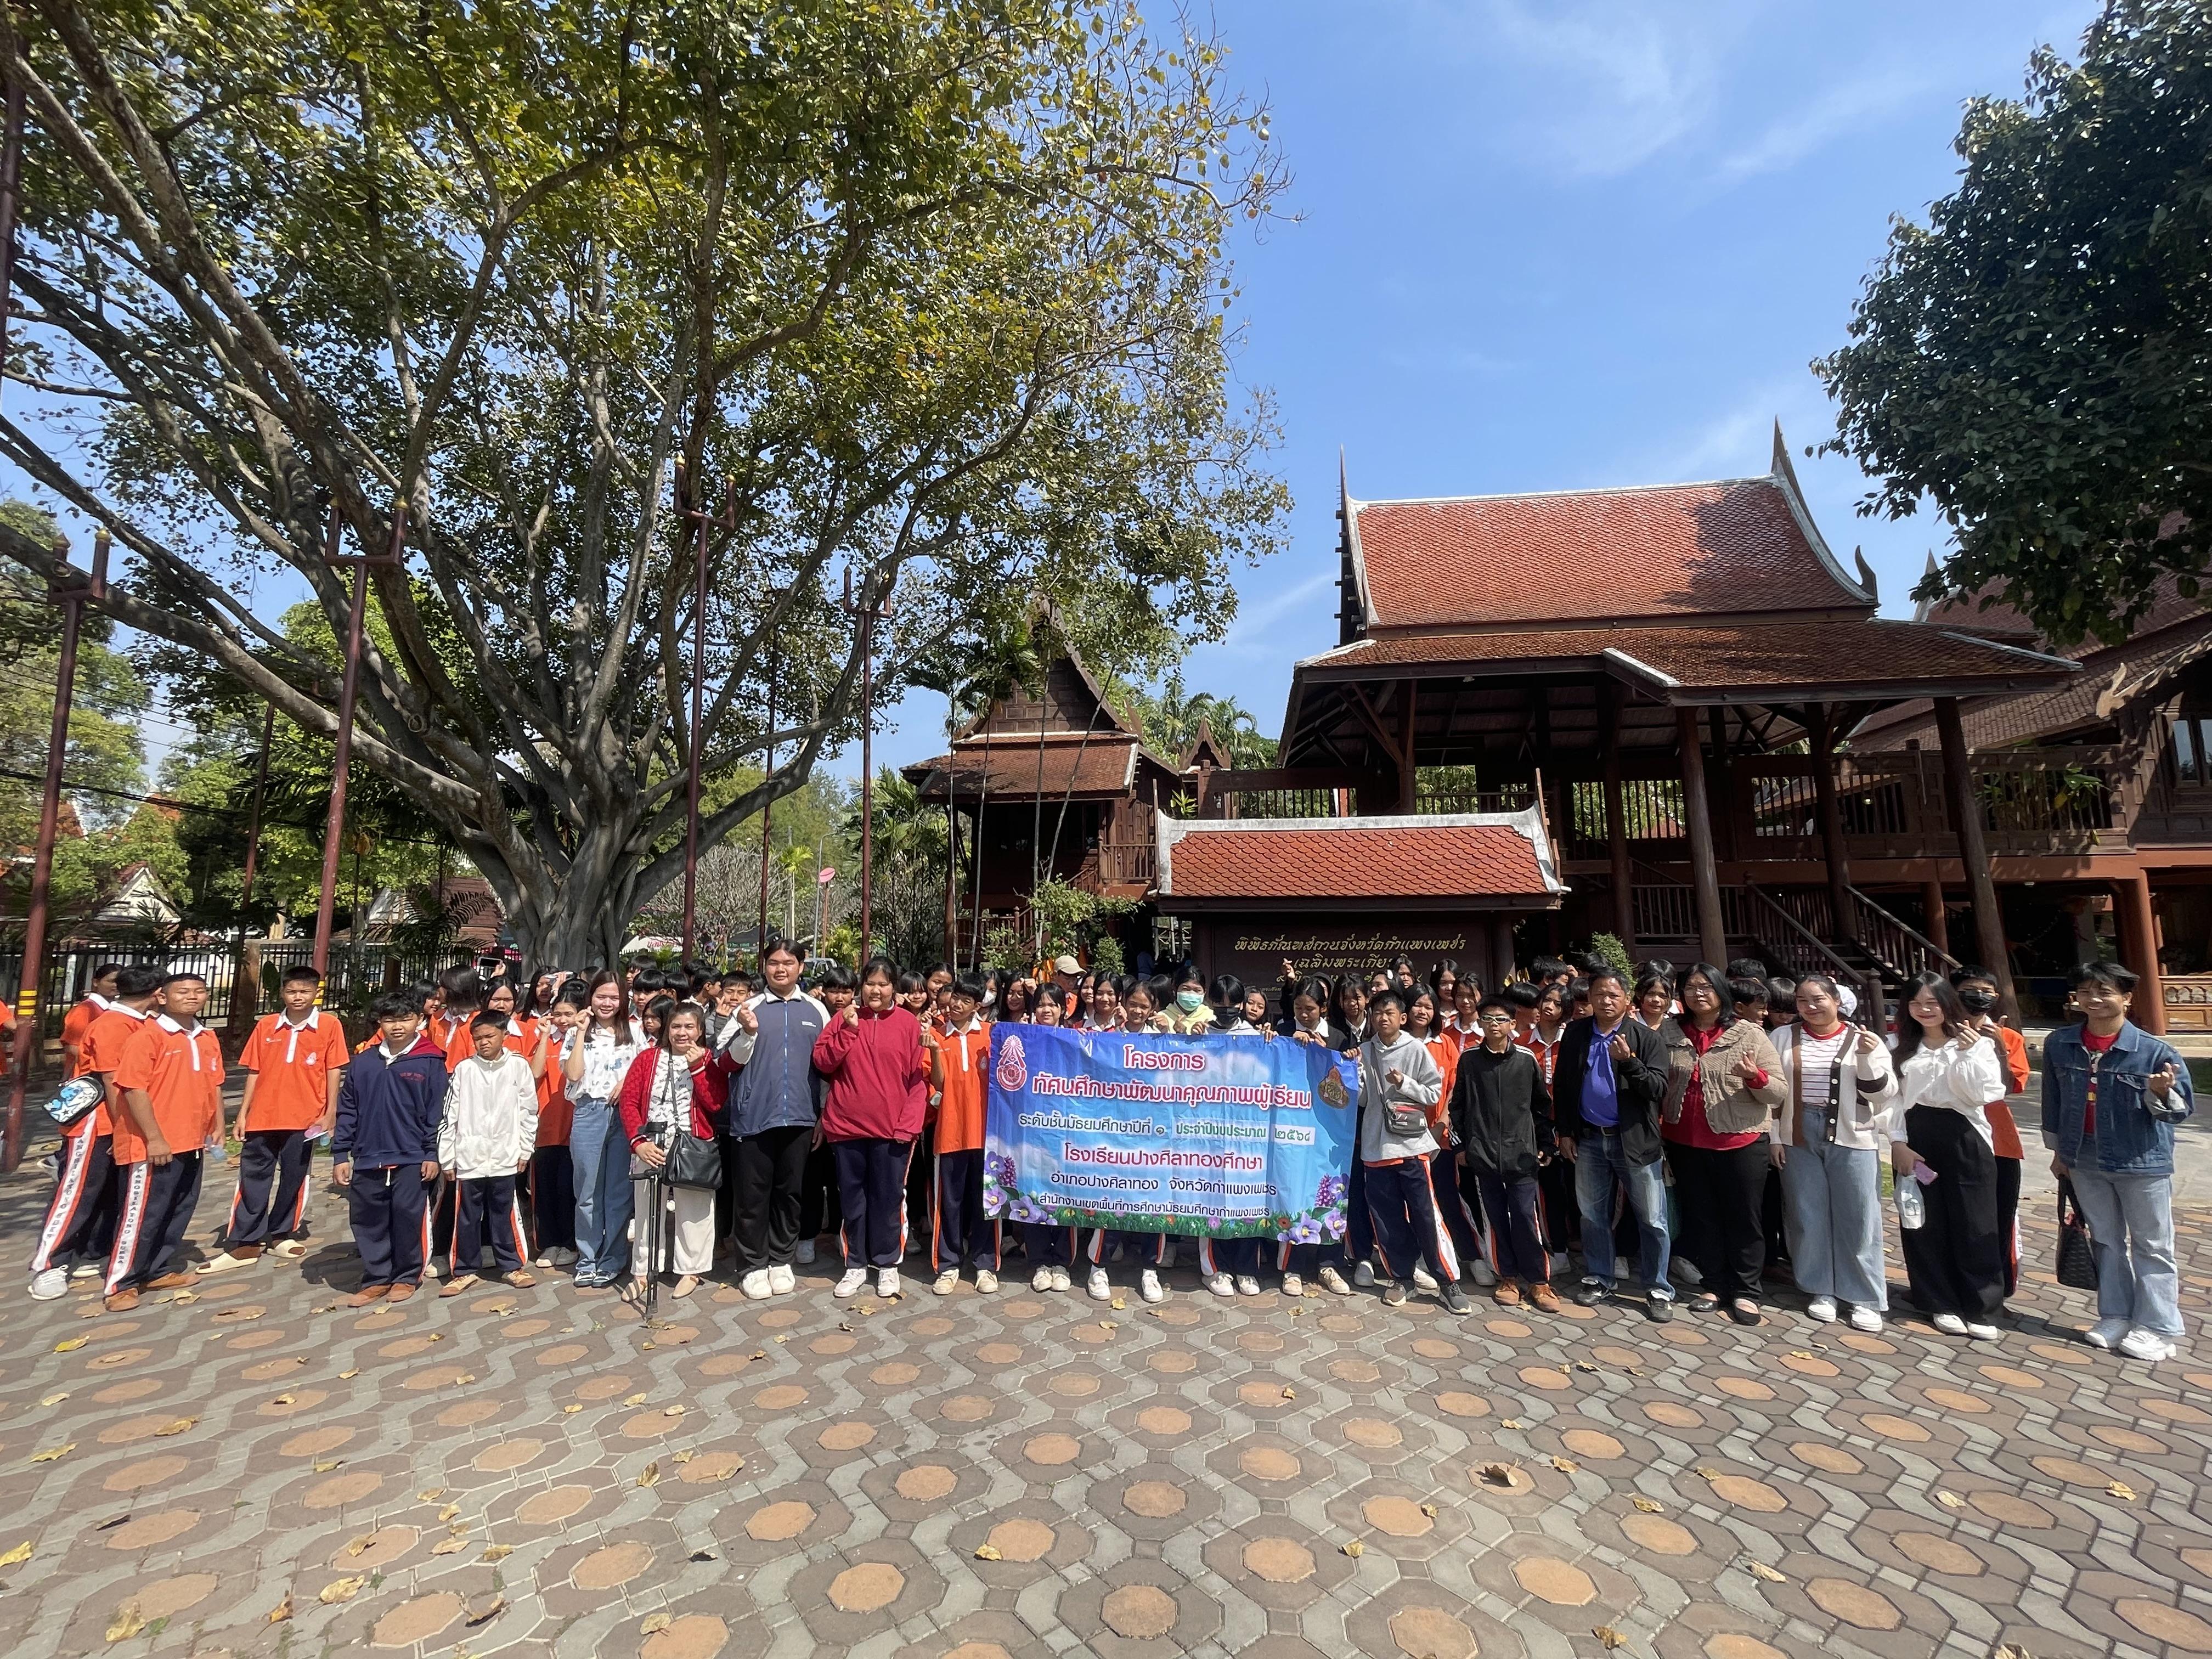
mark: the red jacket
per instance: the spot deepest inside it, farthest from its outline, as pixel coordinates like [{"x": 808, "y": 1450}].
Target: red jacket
[
  {"x": 879, "y": 1076},
  {"x": 710, "y": 1083}
]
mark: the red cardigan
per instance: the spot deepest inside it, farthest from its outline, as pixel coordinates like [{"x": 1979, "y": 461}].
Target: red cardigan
[
  {"x": 710, "y": 1085},
  {"x": 879, "y": 1076}
]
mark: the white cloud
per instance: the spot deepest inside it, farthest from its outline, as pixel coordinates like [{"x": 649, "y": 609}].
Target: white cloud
[{"x": 1839, "y": 111}]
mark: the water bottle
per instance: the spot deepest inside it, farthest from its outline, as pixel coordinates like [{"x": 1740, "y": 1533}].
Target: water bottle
[{"x": 1911, "y": 1208}]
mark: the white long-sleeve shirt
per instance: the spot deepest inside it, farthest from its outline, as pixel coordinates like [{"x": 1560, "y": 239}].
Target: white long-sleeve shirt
[
  {"x": 490, "y": 1126},
  {"x": 1963, "y": 1076}
]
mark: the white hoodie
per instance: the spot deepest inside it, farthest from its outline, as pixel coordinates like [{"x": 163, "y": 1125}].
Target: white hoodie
[{"x": 490, "y": 1126}]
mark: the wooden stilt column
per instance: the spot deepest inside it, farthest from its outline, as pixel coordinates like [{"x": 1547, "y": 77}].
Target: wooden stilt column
[
  {"x": 1705, "y": 870},
  {"x": 2139, "y": 950},
  {"x": 1616, "y": 821},
  {"x": 1833, "y": 848},
  {"x": 1974, "y": 852}
]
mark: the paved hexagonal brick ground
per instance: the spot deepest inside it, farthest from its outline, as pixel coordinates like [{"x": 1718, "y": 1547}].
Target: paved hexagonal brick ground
[{"x": 256, "y": 1470}]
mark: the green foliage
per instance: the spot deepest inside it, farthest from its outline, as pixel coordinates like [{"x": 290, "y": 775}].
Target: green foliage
[
  {"x": 1608, "y": 949},
  {"x": 2034, "y": 360},
  {"x": 939, "y": 287},
  {"x": 1171, "y": 716},
  {"x": 1072, "y": 922}
]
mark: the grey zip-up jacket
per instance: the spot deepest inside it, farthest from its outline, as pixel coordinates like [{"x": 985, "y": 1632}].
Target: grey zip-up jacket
[{"x": 1422, "y": 1087}]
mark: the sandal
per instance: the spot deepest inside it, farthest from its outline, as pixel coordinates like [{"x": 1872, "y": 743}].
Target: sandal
[
  {"x": 1745, "y": 1311},
  {"x": 1703, "y": 1302}
]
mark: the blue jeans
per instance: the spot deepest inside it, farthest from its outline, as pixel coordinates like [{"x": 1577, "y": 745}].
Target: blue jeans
[
  {"x": 600, "y": 1154},
  {"x": 1600, "y": 1164},
  {"x": 1834, "y": 1219},
  {"x": 2132, "y": 1234}
]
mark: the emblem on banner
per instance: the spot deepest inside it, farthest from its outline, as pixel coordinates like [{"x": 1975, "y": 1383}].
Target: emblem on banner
[
  {"x": 1013, "y": 1065},
  {"x": 1331, "y": 1090}
]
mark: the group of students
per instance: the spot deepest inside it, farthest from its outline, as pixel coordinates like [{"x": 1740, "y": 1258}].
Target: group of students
[{"x": 1701, "y": 1125}]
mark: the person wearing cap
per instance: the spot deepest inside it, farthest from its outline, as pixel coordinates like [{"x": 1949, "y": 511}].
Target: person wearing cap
[{"x": 1066, "y": 975}]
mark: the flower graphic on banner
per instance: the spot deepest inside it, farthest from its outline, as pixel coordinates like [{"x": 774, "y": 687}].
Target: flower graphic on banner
[{"x": 999, "y": 1188}]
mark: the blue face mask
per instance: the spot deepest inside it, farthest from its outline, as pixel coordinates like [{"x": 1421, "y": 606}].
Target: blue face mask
[{"x": 1188, "y": 1001}]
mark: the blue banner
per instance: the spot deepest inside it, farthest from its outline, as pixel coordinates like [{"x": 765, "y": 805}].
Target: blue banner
[{"x": 1235, "y": 1137}]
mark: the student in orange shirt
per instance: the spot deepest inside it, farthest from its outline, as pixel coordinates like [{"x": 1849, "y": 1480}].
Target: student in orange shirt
[
  {"x": 958, "y": 1068},
  {"x": 1458, "y": 1207},
  {"x": 552, "y": 1174},
  {"x": 294, "y": 1062},
  {"x": 78, "y": 1020},
  {"x": 170, "y": 1077},
  {"x": 1977, "y": 989},
  {"x": 80, "y": 1225}
]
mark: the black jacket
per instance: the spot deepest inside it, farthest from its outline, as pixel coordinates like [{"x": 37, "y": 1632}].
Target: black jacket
[
  {"x": 1501, "y": 1111},
  {"x": 1640, "y": 1085}
]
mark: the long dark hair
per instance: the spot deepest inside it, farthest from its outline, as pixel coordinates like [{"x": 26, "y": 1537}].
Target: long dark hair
[
  {"x": 1712, "y": 977},
  {"x": 620, "y": 1024},
  {"x": 1909, "y": 1037}
]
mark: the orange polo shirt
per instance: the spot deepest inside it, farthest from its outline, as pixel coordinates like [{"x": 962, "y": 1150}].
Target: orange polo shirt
[
  {"x": 103, "y": 1052},
  {"x": 181, "y": 1073},
  {"x": 293, "y": 1066},
  {"x": 1446, "y": 1051},
  {"x": 2004, "y": 1131},
  {"x": 960, "y": 1112},
  {"x": 76, "y": 1023}
]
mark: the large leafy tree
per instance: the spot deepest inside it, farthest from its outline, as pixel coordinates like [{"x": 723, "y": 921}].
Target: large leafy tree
[
  {"x": 938, "y": 287},
  {"x": 2036, "y": 360}
]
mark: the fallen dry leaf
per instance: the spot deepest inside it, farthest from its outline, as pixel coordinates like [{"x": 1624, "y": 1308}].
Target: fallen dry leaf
[
  {"x": 1497, "y": 1474},
  {"x": 16, "y": 1557},
  {"x": 127, "y": 1623},
  {"x": 431, "y": 1494},
  {"x": 453, "y": 1545},
  {"x": 1761, "y": 1570},
  {"x": 281, "y": 1400},
  {"x": 987, "y": 1552},
  {"x": 1431, "y": 1510},
  {"x": 1355, "y": 1549},
  {"x": 356, "y": 1546},
  {"x": 55, "y": 1399},
  {"x": 342, "y": 1589},
  {"x": 2120, "y": 1489},
  {"x": 684, "y": 1456},
  {"x": 1105, "y": 1324},
  {"x": 570, "y": 1411},
  {"x": 2010, "y": 1650},
  {"x": 654, "y": 1624},
  {"x": 1584, "y": 1366},
  {"x": 1511, "y": 1423},
  {"x": 787, "y": 1339},
  {"x": 436, "y": 1336},
  {"x": 1648, "y": 1505},
  {"x": 327, "y": 1465},
  {"x": 635, "y": 1399},
  {"x": 1565, "y": 1465},
  {"x": 72, "y": 1344},
  {"x": 1118, "y": 1303},
  {"x": 189, "y": 1295},
  {"x": 649, "y": 1475},
  {"x": 449, "y": 1511},
  {"x": 704, "y": 1555},
  {"x": 1290, "y": 1393},
  {"x": 178, "y": 1427},
  {"x": 281, "y": 1612},
  {"x": 1704, "y": 1472},
  {"x": 1950, "y": 1500},
  {"x": 673, "y": 1411},
  {"x": 496, "y": 1552},
  {"x": 492, "y": 1610},
  {"x": 760, "y": 1353},
  {"x": 648, "y": 1345},
  {"x": 348, "y": 1377},
  {"x": 1800, "y": 1353},
  {"x": 229, "y": 1316},
  {"x": 53, "y": 1454},
  {"x": 1608, "y": 1638}
]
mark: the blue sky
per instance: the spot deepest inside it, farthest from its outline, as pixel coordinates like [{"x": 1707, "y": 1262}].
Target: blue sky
[{"x": 1551, "y": 244}]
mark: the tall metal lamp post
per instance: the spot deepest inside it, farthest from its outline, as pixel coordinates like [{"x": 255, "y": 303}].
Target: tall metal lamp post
[
  {"x": 869, "y": 616},
  {"x": 349, "y": 687},
  {"x": 72, "y": 597},
  {"x": 726, "y": 520}
]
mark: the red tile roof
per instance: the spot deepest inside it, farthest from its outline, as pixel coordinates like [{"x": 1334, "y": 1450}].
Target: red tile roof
[
  {"x": 1059, "y": 764},
  {"x": 1669, "y": 551},
  {"x": 1352, "y": 859},
  {"x": 1748, "y": 656}
]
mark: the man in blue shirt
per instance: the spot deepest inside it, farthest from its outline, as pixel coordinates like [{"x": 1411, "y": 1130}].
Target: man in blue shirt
[{"x": 1610, "y": 1082}]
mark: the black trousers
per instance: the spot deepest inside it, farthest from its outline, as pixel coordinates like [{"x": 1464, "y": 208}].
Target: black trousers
[
  {"x": 819, "y": 1210},
  {"x": 1954, "y": 1263},
  {"x": 2009, "y": 1220},
  {"x": 1510, "y": 1203},
  {"x": 871, "y": 1185},
  {"x": 269, "y": 1158},
  {"x": 920, "y": 1194},
  {"x": 964, "y": 1234},
  {"x": 553, "y": 1198},
  {"x": 1461, "y": 1200},
  {"x": 390, "y": 1210},
  {"x": 1359, "y": 1224},
  {"x": 1720, "y": 1199},
  {"x": 83, "y": 1204},
  {"x": 768, "y": 1208},
  {"x": 157, "y": 1207},
  {"x": 487, "y": 1204},
  {"x": 1046, "y": 1244},
  {"x": 1557, "y": 1207},
  {"x": 1402, "y": 1198},
  {"x": 441, "y": 1222}
]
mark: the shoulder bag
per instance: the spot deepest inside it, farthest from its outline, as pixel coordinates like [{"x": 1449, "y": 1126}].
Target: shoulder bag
[{"x": 2077, "y": 1261}]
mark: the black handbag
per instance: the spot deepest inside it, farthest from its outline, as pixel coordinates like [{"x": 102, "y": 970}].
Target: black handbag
[
  {"x": 2077, "y": 1263},
  {"x": 693, "y": 1161}
]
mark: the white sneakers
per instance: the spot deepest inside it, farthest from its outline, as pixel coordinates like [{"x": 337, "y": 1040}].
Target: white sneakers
[
  {"x": 1100, "y": 1290},
  {"x": 1293, "y": 1284},
  {"x": 887, "y": 1283},
  {"x": 1220, "y": 1285},
  {"x": 1822, "y": 1309},
  {"x": 855, "y": 1280},
  {"x": 1950, "y": 1324},
  {"x": 985, "y": 1281},
  {"x": 755, "y": 1286},
  {"x": 51, "y": 1286},
  {"x": 1982, "y": 1331},
  {"x": 1866, "y": 1319},
  {"x": 781, "y": 1280},
  {"x": 1332, "y": 1282},
  {"x": 2106, "y": 1334},
  {"x": 2141, "y": 1344},
  {"x": 803, "y": 1255},
  {"x": 1148, "y": 1286},
  {"x": 1060, "y": 1278},
  {"x": 1041, "y": 1280},
  {"x": 1362, "y": 1274},
  {"x": 947, "y": 1282},
  {"x": 1246, "y": 1285},
  {"x": 1423, "y": 1278}
]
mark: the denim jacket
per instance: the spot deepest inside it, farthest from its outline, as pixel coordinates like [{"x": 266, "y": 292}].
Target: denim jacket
[{"x": 2133, "y": 1132}]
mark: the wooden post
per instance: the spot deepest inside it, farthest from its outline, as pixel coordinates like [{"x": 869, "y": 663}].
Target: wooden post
[
  {"x": 1939, "y": 928},
  {"x": 1974, "y": 852},
  {"x": 1408, "y": 773},
  {"x": 2139, "y": 950},
  {"x": 1723, "y": 779},
  {"x": 1705, "y": 870},
  {"x": 1843, "y": 912},
  {"x": 1616, "y": 822}
]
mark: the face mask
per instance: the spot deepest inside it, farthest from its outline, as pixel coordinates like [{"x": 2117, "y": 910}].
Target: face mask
[
  {"x": 1977, "y": 1001},
  {"x": 1188, "y": 1001}
]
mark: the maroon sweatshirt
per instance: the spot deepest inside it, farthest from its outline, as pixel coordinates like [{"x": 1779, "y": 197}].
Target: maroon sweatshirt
[{"x": 879, "y": 1076}]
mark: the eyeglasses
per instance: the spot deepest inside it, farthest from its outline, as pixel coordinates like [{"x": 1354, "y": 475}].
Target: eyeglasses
[{"x": 1497, "y": 1019}]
